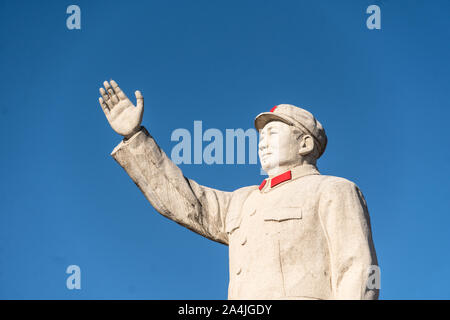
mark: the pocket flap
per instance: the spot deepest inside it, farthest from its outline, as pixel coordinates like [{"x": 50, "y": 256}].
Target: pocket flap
[
  {"x": 233, "y": 222},
  {"x": 282, "y": 213}
]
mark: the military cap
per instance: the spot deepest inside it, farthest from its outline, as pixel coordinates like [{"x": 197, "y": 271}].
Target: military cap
[{"x": 297, "y": 117}]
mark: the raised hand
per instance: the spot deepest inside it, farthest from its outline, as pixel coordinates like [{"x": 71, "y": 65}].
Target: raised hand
[{"x": 122, "y": 115}]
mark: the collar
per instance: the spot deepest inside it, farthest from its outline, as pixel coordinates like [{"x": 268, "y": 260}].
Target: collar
[{"x": 295, "y": 173}]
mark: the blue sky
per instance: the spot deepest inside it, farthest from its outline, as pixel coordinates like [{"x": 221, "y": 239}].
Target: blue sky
[{"x": 382, "y": 96}]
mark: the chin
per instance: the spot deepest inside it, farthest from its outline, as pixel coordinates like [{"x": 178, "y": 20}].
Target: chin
[
  {"x": 265, "y": 167},
  {"x": 268, "y": 167}
]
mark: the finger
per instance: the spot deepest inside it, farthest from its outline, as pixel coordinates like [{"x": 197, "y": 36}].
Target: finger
[
  {"x": 117, "y": 90},
  {"x": 111, "y": 92},
  {"x": 106, "y": 98},
  {"x": 104, "y": 107},
  {"x": 113, "y": 96},
  {"x": 139, "y": 99}
]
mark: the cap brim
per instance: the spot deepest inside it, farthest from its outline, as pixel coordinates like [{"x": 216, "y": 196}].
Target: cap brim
[{"x": 263, "y": 118}]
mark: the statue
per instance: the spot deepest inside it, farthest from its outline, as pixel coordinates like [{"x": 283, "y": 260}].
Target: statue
[{"x": 298, "y": 235}]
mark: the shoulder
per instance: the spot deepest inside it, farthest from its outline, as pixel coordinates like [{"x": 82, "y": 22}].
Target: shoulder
[
  {"x": 239, "y": 196},
  {"x": 340, "y": 190},
  {"x": 244, "y": 192},
  {"x": 331, "y": 185}
]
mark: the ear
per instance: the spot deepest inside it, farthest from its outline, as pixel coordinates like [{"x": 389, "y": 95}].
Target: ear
[{"x": 306, "y": 145}]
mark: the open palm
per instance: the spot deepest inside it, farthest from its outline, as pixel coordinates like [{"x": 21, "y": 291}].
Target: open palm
[{"x": 122, "y": 115}]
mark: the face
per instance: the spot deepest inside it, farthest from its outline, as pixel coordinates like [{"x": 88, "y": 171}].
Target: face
[{"x": 278, "y": 147}]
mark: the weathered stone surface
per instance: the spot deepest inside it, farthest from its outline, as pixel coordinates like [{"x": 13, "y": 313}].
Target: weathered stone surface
[{"x": 299, "y": 235}]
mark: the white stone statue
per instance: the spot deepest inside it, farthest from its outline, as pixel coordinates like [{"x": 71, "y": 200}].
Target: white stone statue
[{"x": 299, "y": 235}]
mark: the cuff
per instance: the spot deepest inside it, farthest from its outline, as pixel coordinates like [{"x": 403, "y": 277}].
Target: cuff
[{"x": 125, "y": 141}]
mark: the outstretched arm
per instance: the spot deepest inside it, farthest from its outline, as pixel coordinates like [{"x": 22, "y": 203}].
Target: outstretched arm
[{"x": 198, "y": 208}]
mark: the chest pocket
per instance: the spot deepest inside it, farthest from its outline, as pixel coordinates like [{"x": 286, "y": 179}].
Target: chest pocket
[
  {"x": 282, "y": 214},
  {"x": 283, "y": 221},
  {"x": 233, "y": 222}
]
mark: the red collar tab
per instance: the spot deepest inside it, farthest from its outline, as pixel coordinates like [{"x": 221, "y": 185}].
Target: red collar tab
[
  {"x": 280, "y": 178},
  {"x": 262, "y": 184},
  {"x": 273, "y": 109}
]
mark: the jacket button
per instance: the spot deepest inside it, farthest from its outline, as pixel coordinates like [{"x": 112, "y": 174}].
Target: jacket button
[
  {"x": 239, "y": 270},
  {"x": 243, "y": 240},
  {"x": 253, "y": 212}
]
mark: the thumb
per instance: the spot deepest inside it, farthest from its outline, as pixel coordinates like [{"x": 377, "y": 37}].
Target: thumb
[{"x": 139, "y": 99}]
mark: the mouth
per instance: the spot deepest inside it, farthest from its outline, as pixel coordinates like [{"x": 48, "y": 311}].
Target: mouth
[{"x": 265, "y": 155}]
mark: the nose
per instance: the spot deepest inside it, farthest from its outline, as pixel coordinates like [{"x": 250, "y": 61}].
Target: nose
[{"x": 262, "y": 144}]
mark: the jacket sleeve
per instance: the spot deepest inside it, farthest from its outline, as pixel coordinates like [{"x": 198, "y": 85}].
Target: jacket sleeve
[
  {"x": 346, "y": 224},
  {"x": 198, "y": 208}
]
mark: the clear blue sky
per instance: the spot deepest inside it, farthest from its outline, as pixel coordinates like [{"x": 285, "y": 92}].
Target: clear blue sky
[{"x": 383, "y": 97}]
